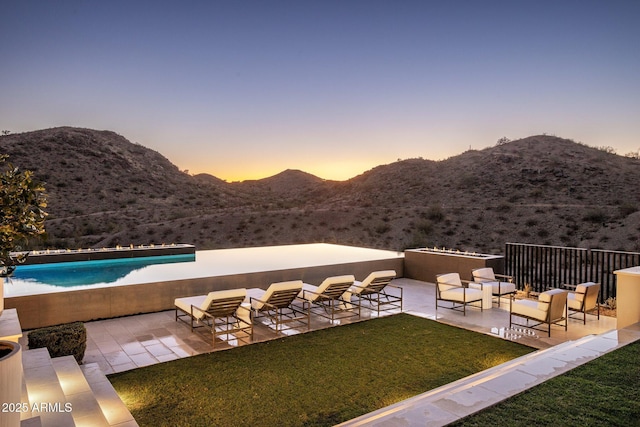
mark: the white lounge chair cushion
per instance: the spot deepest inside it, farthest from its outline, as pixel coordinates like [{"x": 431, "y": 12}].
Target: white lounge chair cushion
[
  {"x": 358, "y": 286},
  {"x": 528, "y": 308},
  {"x": 448, "y": 281},
  {"x": 275, "y": 287},
  {"x": 536, "y": 309},
  {"x": 484, "y": 275},
  {"x": 203, "y": 301},
  {"x": 574, "y": 299},
  {"x": 501, "y": 288},
  {"x": 461, "y": 294},
  {"x": 487, "y": 276},
  {"x": 244, "y": 312},
  {"x": 316, "y": 291}
]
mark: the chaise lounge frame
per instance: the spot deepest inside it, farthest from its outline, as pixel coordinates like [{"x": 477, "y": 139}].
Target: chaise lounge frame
[
  {"x": 330, "y": 303},
  {"x": 373, "y": 290},
  {"x": 281, "y": 308},
  {"x": 220, "y": 318}
]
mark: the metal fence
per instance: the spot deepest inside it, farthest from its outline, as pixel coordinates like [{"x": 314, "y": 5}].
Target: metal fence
[{"x": 546, "y": 267}]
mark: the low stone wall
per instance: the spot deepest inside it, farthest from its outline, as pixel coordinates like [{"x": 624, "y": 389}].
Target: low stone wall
[
  {"x": 49, "y": 309},
  {"x": 426, "y": 264}
]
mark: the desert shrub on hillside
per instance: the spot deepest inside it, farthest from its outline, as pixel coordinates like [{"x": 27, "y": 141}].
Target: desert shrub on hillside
[
  {"x": 627, "y": 209},
  {"x": 595, "y": 216}
]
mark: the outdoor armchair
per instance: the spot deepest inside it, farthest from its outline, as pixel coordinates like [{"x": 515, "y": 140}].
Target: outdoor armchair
[
  {"x": 449, "y": 287},
  {"x": 584, "y": 297},
  {"x": 327, "y": 299},
  {"x": 374, "y": 289},
  {"x": 277, "y": 303},
  {"x": 222, "y": 312},
  {"x": 500, "y": 283},
  {"x": 550, "y": 308}
]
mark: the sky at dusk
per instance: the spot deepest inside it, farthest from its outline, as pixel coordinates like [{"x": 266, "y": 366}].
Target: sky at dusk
[{"x": 247, "y": 89}]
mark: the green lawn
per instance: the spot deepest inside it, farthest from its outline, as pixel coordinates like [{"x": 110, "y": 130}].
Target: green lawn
[
  {"x": 603, "y": 392},
  {"x": 318, "y": 378}
]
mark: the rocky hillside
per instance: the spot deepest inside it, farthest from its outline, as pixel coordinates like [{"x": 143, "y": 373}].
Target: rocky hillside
[{"x": 104, "y": 190}]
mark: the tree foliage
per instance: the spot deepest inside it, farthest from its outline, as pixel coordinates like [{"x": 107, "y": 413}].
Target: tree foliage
[
  {"x": 502, "y": 141},
  {"x": 22, "y": 215}
]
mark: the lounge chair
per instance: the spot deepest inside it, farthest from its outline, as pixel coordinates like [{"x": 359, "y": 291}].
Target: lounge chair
[
  {"x": 449, "y": 287},
  {"x": 373, "y": 289},
  {"x": 500, "y": 284},
  {"x": 327, "y": 299},
  {"x": 584, "y": 297},
  {"x": 551, "y": 308},
  {"x": 276, "y": 303},
  {"x": 222, "y": 312}
]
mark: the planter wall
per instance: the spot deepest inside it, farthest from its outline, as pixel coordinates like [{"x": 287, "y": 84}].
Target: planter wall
[
  {"x": 11, "y": 382},
  {"x": 425, "y": 264}
]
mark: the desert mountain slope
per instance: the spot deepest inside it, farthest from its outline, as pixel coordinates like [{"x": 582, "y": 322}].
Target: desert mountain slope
[{"x": 105, "y": 190}]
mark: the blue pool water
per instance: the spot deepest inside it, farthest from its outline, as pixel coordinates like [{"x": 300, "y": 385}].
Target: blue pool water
[{"x": 77, "y": 273}]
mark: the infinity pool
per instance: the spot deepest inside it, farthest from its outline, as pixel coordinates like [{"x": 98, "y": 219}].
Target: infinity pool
[
  {"x": 68, "y": 276},
  {"x": 79, "y": 273}
]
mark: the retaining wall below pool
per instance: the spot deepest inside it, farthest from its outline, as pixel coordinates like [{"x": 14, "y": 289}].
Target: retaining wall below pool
[{"x": 49, "y": 309}]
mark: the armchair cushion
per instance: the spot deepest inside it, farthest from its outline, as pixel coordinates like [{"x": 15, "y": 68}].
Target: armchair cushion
[
  {"x": 529, "y": 308},
  {"x": 449, "y": 281},
  {"x": 488, "y": 277},
  {"x": 588, "y": 291},
  {"x": 461, "y": 294}
]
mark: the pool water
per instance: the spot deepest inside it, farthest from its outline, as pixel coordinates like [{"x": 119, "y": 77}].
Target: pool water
[
  {"x": 76, "y": 273},
  {"x": 69, "y": 276}
]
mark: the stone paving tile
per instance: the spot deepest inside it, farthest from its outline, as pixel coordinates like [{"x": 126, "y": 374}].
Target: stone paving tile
[
  {"x": 108, "y": 346},
  {"x": 168, "y": 357},
  {"x": 143, "y": 359},
  {"x": 133, "y": 348},
  {"x": 183, "y": 351},
  {"x": 171, "y": 341},
  {"x": 159, "y": 350},
  {"x": 124, "y": 367},
  {"x": 148, "y": 343},
  {"x": 117, "y": 358}
]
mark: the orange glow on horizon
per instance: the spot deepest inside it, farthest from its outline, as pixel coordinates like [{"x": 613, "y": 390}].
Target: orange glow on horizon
[{"x": 336, "y": 171}]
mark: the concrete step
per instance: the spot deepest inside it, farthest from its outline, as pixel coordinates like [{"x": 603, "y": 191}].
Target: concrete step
[
  {"x": 114, "y": 410},
  {"x": 85, "y": 409},
  {"x": 46, "y": 399},
  {"x": 60, "y": 393},
  {"x": 31, "y": 422}
]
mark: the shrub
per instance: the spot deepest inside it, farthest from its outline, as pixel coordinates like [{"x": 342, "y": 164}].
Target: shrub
[
  {"x": 383, "y": 228},
  {"x": 543, "y": 233},
  {"x": 425, "y": 227},
  {"x": 63, "y": 340},
  {"x": 611, "y": 303},
  {"x": 627, "y": 209},
  {"x": 435, "y": 213},
  {"x": 596, "y": 216}
]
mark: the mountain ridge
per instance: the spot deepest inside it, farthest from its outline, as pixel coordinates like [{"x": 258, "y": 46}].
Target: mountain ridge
[{"x": 104, "y": 190}]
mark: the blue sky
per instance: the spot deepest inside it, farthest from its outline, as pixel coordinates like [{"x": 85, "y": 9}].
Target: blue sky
[{"x": 246, "y": 89}]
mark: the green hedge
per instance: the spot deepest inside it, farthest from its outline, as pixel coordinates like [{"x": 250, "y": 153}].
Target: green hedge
[{"x": 62, "y": 340}]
